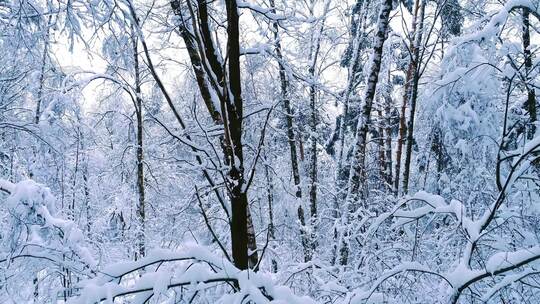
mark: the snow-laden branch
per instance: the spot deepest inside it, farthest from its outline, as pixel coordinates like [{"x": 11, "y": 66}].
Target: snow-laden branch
[
  {"x": 500, "y": 264},
  {"x": 32, "y": 205},
  {"x": 495, "y": 23},
  {"x": 433, "y": 204},
  {"x": 362, "y": 295},
  {"x": 6, "y": 186},
  {"x": 198, "y": 269}
]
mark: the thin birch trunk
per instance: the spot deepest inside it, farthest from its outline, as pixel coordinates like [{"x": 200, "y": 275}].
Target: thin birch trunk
[
  {"x": 357, "y": 177},
  {"x": 141, "y": 215}
]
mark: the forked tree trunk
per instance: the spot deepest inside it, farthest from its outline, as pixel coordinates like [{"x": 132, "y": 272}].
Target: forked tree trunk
[{"x": 216, "y": 84}]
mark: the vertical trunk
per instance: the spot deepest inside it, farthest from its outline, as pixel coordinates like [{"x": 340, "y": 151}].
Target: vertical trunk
[
  {"x": 141, "y": 216},
  {"x": 381, "y": 147},
  {"x": 406, "y": 90},
  {"x": 87, "y": 206},
  {"x": 291, "y": 138},
  {"x": 212, "y": 79},
  {"x": 313, "y": 170},
  {"x": 441, "y": 159},
  {"x": 233, "y": 129},
  {"x": 357, "y": 176},
  {"x": 388, "y": 140},
  {"x": 86, "y": 187},
  {"x": 341, "y": 170},
  {"x": 313, "y": 161},
  {"x": 71, "y": 206},
  {"x": 271, "y": 227},
  {"x": 414, "y": 97},
  {"x": 357, "y": 171},
  {"x": 531, "y": 96},
  {"x": 42, "y": 74}
]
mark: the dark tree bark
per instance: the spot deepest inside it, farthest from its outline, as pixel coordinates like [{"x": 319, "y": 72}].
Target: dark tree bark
[
  {"x": 233, "y": 135},
  {"x": 352, "y": 81},
  {"x": 220, "y": 84},
  {"x": 388, "y": 103},
  {"x": 313, "y": 174},
  {"x": 271, "y": 226}
]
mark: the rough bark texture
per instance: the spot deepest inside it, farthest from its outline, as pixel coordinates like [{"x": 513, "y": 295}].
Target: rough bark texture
[
  {"x": 42, "y": 74},
  {"x": 341, "y": 171},
  {"x": 271, "y": 226}
]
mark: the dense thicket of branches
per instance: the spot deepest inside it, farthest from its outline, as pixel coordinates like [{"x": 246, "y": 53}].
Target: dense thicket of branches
[{"x": 269, "y": 151}]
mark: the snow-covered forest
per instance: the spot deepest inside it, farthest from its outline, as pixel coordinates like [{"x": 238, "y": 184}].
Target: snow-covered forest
[{"x": 269, "y": 151}]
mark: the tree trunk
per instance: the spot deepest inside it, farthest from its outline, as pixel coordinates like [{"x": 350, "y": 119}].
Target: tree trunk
[
  {"x": 271, "y": 226},
  {"x": 531, "y": 95},
  {"x": 381, "y": 147},
  {"x": 357, "y": 172},
  {"x": 141, "y": 216},
  {"x": 388, "y": 140},
  {"x": 42, "y": 73},
  {"x": 291, "y": 138},
  {"x": 341, "y": 169},
  {"x": 342, "y": 172},
  {"x": 233, "y": 135},
  {"x": 214, "y": 87},
  {"x": 406, "y": 90},
  {"x": 356, "y": 190},
  {"x": 415, "y": 62}
]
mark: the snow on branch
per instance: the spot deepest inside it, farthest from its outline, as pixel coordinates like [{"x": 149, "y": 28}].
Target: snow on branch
[
  {"x": 36, "y": 230},
  {"x": 433, "y": 204},
  {"x": 199, "y": 269},
  {"x": 496, "y": 22},
  {"x": 54, "y": 239}
]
